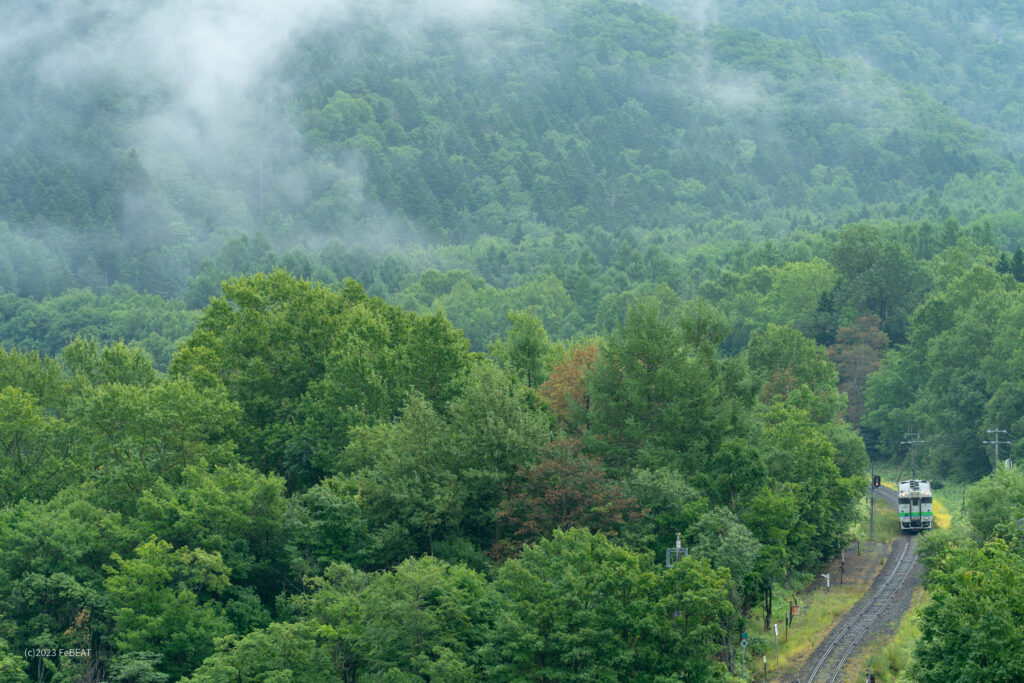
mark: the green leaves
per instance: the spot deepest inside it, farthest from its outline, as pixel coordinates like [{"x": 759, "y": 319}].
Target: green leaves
[
  {"x": 527, "y": 347},
  {"x": 86, "y": 359},
  {"x": 724, "y": 541},
  {"x": 958, "y": 375},
  {"x": 426, "y": 616},
  {"x": 878, "y": 275},
  {"x": 411, "y": 490},
  {"x": 659, "y": 393},
  {"x": 581, "y": 607},
  {"x": 971, "y": 629},
  {"x": 163, "y": 601},
  {"x": 307, "y": 363},
  {"x": 787, "y": 362},
  {"x": 232, "y": 510},
  {"x": 396, "y": 443},
  {"x": 996, "y": 502},
  {"x": 36, "y": 458},
  {"x": 167, "y": 426},
  {"x": 282, "y": 653},
  {"x": 424, "y": 620},
  {"x": 432, "y": 476},
  {"x": 800, "y": 458}
]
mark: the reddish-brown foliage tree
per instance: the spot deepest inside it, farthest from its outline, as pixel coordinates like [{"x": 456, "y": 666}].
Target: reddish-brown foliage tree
[
  {"x": 565, "y": 390},
  {"x": 564, "y": 491},
  {"x": 857, "y": 353}
]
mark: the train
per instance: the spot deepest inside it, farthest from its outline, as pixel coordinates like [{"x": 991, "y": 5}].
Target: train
[{"x": 915, "y": 505}]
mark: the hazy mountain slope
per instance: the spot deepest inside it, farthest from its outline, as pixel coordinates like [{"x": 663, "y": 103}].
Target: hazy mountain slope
[
  {"x": 966, "y": 54},
  {"x": 145, "y": 136}
]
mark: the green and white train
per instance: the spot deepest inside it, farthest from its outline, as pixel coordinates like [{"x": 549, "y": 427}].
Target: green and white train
[{"x": 915, "y": 505}]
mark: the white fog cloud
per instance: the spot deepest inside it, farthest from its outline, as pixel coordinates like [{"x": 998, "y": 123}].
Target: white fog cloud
[{"x": 206, "y": 73}]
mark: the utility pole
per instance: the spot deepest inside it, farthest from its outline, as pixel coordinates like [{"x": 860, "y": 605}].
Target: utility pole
[
  {"x": 871, "y": 533},
  {"x": 911, "y": 438},
  {"x": 996, "y": 442}
]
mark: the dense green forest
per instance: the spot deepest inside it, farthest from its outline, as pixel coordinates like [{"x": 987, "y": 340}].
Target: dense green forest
[
  {"x": 970, "y": 629},
  {"x": 399, "y": 342},
  {"x": 316, "y": 454}
]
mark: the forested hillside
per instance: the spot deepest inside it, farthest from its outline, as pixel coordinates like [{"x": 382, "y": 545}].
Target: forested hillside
[
  {"x": 461, "y": 138},
  {"x": 398, "y": 342}
]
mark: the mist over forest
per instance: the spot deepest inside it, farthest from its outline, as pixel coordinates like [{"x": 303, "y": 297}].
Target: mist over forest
[
  {"x": 150, "y": 145},
  {"x": 312, "y": 309}
]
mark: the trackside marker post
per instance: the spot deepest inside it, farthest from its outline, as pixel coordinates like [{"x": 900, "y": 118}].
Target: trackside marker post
[
  {"x": 743, "y": 660},
  {"x": 777, "y": 667}
]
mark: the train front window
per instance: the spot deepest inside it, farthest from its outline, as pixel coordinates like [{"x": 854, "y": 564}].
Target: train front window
[
  {"x": 904, "y": 501},
  {"x": 926, "y": 499}
]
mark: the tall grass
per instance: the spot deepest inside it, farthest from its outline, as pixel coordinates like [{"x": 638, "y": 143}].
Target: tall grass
[
  {"x": 887, "y": 522},
  {"x": 819, "y": 613},
  {"x": 890, "y": 657}
]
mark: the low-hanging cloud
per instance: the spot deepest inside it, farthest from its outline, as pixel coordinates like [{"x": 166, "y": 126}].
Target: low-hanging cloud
[{"x": 206, "y": 77}]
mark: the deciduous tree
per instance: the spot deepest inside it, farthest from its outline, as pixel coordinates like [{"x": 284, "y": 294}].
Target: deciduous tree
[
  {"x": 561, "y": 492},
  {"x": 164, "y": 601},
  {"x": 565, "y": 390},
  {"x": 857, "y": 353}
]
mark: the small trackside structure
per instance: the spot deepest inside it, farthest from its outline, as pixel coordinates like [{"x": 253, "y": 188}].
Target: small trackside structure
[{"x": 915, "y": 505}]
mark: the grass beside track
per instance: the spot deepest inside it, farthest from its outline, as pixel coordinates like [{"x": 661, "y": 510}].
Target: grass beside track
[
  {"x": 887, "y": 522},
  {"x": 889, "y": 656},
  {"x": 821, "y": 611}
]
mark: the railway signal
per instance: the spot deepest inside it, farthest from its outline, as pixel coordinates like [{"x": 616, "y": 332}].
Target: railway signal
[{"x": 876, "y": 481}]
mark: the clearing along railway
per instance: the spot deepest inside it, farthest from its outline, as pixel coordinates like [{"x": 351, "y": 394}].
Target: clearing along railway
[{"x": 887, "y": 599}]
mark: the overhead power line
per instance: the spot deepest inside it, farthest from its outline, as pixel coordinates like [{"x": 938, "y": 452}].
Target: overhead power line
[{"x": 996, "y": 442}]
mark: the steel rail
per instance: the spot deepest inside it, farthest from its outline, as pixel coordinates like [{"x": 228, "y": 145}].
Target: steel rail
[
  {"x": 867, "y": 624},
  {"x": 878, "y": 602}
]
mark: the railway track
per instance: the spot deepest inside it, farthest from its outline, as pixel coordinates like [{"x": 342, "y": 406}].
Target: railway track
[{"x": 841, "y": 643}]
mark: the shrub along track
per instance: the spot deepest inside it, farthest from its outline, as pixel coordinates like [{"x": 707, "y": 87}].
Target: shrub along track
[{"x": 882, "y": 607}]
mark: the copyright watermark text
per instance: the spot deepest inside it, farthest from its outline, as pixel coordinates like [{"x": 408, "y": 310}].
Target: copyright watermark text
[{"x": 57, "y": 652}]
